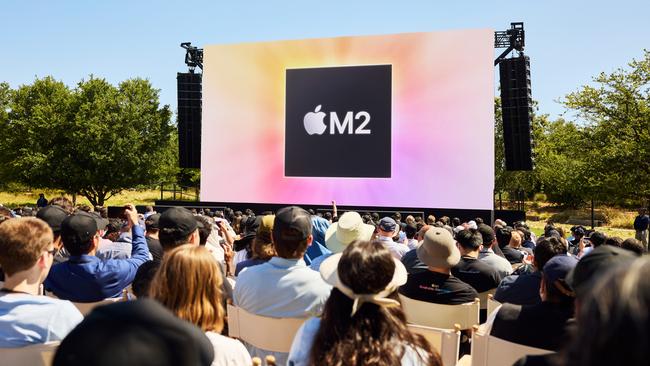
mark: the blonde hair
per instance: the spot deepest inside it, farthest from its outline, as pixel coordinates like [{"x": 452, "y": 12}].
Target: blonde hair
[
  {"x": 189, "y": 284},
  {"x": 22, "y": 242}
]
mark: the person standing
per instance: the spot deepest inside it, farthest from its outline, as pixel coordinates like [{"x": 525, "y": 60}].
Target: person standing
[
  {"x": 41, "y": 201},
  {"x": 641, "y": 223}
]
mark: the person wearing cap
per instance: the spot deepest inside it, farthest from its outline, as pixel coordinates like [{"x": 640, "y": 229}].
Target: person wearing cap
[
  {"x": 41, "y": 201},
  {"x": 86, "y": 278},
  {"x": 177, "y": 226},
  {"x": 151, "y": 223},
  {"x": 54, "y": 216},
  {"x": 26, "y": 256},
  {"x": 283, "y": 287},
  {"x": 410, "y": 260},
  {"x": 363, "y": 320},
  {"x": 487, "y": 255},
  {"x": 387, "y": 229},
  {"x": 437, "y": 285},
  {"x": 541, "y": 325},
  {"x": 523, "y": 289},
  {"x": 469, "y": 269},
  {"x": 140, "y": 332},
  {"x": 342, "y": 233}
]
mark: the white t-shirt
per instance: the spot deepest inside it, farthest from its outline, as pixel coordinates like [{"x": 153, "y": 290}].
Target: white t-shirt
[
  {"x": 28, "y": 319},
  {"x": 304, "y": 340},
  {"x": 228, "y": 351}
]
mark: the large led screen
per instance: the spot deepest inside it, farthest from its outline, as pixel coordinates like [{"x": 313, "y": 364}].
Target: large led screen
[{"x": 403, "y": 120}]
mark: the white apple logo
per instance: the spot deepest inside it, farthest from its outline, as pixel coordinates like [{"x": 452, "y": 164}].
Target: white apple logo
[{"x": 313, "y": 122}]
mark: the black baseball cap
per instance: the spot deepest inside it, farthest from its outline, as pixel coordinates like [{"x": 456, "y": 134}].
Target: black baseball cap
[
  {"x": 178, "y": 218},
  {"x": 152, "y": 222},
  {"x": 292, "y": 223},
  {"x": 78, "y": 228},
  {"x": 53, "y": 216},
  {"x": 594, "y": 264},
  {"x": 140, "y": 332},
  {"x": 99, "y": 220}
]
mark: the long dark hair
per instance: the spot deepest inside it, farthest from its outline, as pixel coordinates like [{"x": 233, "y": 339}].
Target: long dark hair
[{"x": 375, "y": 335}]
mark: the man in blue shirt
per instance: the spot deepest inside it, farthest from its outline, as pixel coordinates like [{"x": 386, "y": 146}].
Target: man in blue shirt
[
  {"x": 86, "y": 278},
  {"x": 283, "y": 287}
]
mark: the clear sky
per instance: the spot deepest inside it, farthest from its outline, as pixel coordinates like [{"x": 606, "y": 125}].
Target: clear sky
[{"x": 568, "y": 41}]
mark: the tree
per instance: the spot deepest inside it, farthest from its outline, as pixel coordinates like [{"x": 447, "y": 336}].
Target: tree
[
  {"x": 616, "y": 114},
  {"x": 95, "y": 140}
]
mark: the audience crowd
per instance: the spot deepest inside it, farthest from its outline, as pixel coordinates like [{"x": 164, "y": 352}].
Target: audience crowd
[{"x": 168, "y": 277}]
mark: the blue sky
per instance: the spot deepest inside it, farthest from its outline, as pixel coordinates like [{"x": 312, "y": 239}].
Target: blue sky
[{"x": 569, "y": 42}]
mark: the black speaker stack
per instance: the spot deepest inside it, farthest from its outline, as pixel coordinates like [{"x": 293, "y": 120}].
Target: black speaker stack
[
  {"x": 516, "y": 104},
  {"x": 189, "y": 119}
]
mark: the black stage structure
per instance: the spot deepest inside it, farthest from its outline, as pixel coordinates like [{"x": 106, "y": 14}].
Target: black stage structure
[{"x": 516, "y": 109}]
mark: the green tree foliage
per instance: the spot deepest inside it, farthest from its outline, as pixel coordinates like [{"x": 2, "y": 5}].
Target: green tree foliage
[
  {"x": 96, "y": 139},
  {"x": 616, "y": 112}
]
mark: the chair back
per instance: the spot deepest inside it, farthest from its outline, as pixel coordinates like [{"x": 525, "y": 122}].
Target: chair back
[
  {"x": 32, "y": 355},
  {"x": 489, "y": 350},
  {"x": 441, "y": 316},
  {"x": 483, "y": 297},
  {"x": 271, "y": 334},
  {"x": 492, "y": 304},
  {"x": 445, "y": 341}
]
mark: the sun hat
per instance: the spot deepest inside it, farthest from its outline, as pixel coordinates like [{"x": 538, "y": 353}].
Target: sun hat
[
  {"x": 438, "y": 249},
  {"x": 329, "y": 272},
  {"x": 349, "y": 228}
]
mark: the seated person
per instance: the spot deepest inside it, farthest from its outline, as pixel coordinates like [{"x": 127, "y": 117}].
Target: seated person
[
  {"x": 410, "y": 259},
  {"x": 363, "y": 322},
  {"x": 189, "y": 284},
  {"x": 262, "y": 247},
  {"x": 504, "y": 234},
  {"x": 135, "y": 333},
  {"x": 26, "y": 255},
  {"x": 487, "y": 254},
  {"x": 469, "y": 269},
  {"x": 283, "y": 287},
  {"x": 524, "y": 289},
  {"x": 437, "y": 285},
  {"x": 339, "y": 235},
  {"x": 86, "y": 278},
  {"x": 541, "y": 325}
]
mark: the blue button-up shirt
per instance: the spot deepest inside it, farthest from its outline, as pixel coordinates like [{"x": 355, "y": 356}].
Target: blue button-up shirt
[
  {"x": 86, "y": 278},
  {"x": 280, "y": 288}
]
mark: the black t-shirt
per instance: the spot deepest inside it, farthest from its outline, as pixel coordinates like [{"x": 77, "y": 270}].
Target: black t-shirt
[
  {"x": 155, "y": 248},
  {"x": 437, "y": 288},
  {"x": 512, "y": 255},
  {"x": 542, "y": 325},
  {"x": 477, "y": 274}
]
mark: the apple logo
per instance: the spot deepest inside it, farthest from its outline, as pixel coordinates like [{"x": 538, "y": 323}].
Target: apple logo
[{"x": 313, "y": 122}]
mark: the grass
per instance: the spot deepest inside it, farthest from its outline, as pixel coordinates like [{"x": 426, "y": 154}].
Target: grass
[{"x": 137, "y": 197}]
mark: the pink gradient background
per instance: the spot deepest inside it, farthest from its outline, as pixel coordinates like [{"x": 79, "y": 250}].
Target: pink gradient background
[{"x": 442, "y": 121}]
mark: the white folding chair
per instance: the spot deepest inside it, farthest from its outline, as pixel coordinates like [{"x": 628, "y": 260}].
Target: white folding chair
[
  {"x": 488, "y": 350},
  {"x": 492, "y": 304},
  {"x": 271, "y": 334},
  {"x": 33, "y": 355},
  {"x": 483, "y": 297},
  {"x": 441, "y": 316},
  {"x": 445, "y": 341}
]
